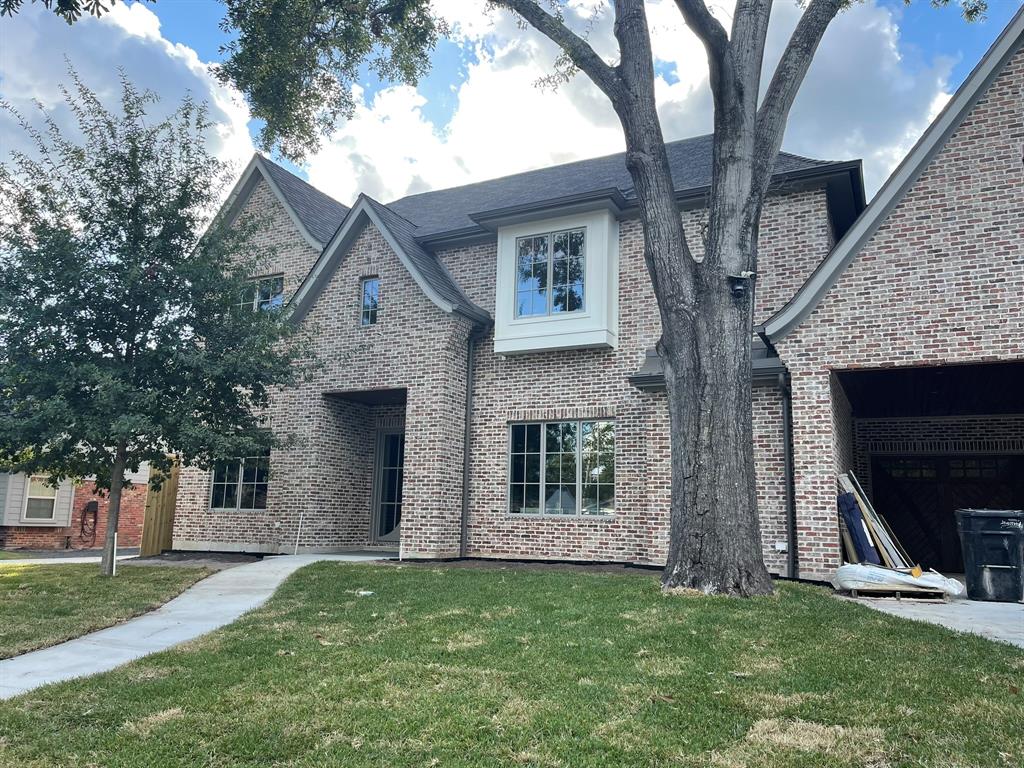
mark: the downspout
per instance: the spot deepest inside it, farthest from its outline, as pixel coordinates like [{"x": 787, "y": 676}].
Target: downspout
[
  {"x": 787, "y": 449},
  {"x": 464, "y": 522}
]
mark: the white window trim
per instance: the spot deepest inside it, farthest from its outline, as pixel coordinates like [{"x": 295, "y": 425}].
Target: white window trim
[
  {"x": 52, "y": 519},
  {"x": 596, "y": 325}
]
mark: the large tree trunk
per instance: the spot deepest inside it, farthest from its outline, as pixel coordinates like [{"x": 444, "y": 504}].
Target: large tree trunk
[
  {"x": 706, "y": 306},
  {"x": 716, "y": 541},
  {"x": 113, "y": 511}
]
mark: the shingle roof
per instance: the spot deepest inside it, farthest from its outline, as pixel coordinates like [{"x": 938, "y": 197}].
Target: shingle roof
[
  {"x": 447, "y": 210},
  {"x": 320, "y": 214}
]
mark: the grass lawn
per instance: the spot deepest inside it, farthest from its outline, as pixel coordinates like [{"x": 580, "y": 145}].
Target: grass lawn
[
  {"x": 467, "y": 667},
  {"x": 7, "y": 555},
  {"x": 41, "y": 605}
]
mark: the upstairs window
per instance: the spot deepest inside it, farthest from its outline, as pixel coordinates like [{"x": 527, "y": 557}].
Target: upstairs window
[
  {"x": 370, "y": 301},
  {"x": 240, "y": 484},
  {"x": 562, "y": 468},
  {"x": 550, "y": 273},
  {"x": 40, "y": 500},
  {"x": 264, "y": 294}
]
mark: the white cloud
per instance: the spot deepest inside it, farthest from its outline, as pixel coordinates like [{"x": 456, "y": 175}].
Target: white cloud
[
  {"x": 860, "y": 99},
  {"x": 128, "y": 37}
]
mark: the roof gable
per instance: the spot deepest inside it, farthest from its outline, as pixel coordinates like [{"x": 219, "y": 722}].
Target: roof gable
[
  {"x": 425, "y": 268},
  {"x": 316, "y": 216},
  {"x": 899, "y": 183}
]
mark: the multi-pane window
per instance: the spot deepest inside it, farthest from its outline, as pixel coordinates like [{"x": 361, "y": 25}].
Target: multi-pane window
[
  {"x": 263, "y": 294},
  {"x": 562, "y": 468},
  {"x": 41, "y": 500},
  {"x": 240, "y": 484},
  {"x": 550, "y": 273},
  {"x": 370, "y": 300}
]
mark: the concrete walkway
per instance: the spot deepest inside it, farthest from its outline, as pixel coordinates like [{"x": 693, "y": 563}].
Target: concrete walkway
[
  {"x": 213, "y": 602},
  {"x": 68, "y": 560},
  {"x": 996, "y": 621}
]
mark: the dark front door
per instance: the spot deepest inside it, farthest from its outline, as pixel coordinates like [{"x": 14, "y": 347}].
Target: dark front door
[
  {"x": 388, "y": 493},
  {"x": 919, "y": 496}
]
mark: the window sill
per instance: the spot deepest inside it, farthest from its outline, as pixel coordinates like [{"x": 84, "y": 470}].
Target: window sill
[
  {"x": 550, "y": 342},
  {"x": 236, "y": 510},
  {"x": 42, "y": 524}
]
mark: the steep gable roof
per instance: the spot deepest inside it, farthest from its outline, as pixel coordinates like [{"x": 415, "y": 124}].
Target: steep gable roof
[
  {"x": 899, "y": 183},
  {"x": 450, "y": 210},
  {"x": 425, "y": 268},
  {"x": 320, "y": 213},
  {"x": 314, "y": 214}
]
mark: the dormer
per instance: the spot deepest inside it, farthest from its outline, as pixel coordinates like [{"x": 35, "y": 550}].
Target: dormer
[{"x": 557, "y": 277}]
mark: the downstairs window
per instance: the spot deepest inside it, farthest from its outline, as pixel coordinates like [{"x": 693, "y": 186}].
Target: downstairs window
[
  {"x": 562, "y": 468},
  {"x": 240, "y": 484},
  {"x": 40, "y": 500}
]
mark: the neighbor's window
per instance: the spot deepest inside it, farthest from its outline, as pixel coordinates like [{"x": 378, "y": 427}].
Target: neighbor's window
[
  {"x": 371, "y": 300},
  {"x": 41, "y": 500},
  {"x": 550, "y": 270},
  {"x": 240, "y": 484},
  {"x": 562, "y": 468},
  {"x": 263, "y": 294}
]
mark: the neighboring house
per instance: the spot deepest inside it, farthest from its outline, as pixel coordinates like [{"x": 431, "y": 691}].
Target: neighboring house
[
  {"x": 488, "y": 386},
  {"x": 35, "y": 515}
]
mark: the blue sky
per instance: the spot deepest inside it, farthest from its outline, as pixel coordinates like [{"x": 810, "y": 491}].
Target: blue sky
[{"x": 883, "y": 71}]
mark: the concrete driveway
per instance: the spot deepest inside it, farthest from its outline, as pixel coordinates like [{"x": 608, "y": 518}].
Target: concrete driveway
[{"x": 996, "y": 621}]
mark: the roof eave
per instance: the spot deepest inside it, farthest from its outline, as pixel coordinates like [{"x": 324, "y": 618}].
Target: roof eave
[
  {"x": 487, "y": 222},
  {"x": 896, "y": 186}
]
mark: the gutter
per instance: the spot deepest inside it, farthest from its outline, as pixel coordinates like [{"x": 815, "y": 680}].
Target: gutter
[{"x": 474, "y": 335}]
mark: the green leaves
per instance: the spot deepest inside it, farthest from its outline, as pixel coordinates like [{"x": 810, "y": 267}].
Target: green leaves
[
  {"x": 119, "y": 316},
  {"x": 297, "y": 60}
]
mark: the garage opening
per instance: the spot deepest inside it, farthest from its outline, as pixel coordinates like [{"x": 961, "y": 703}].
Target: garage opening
[{"x": 927, "y": 441}]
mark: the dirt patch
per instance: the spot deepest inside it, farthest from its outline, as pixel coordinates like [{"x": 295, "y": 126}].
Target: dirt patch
[
  {"x": 528, "y": 565},
  {"x": 856, "y": 746},
  {"x": 217, "y": 561},
  {"x": 144, "y": 726}
]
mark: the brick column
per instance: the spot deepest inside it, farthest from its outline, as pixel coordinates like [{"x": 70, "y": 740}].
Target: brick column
[{"x": 814, "y": 465}]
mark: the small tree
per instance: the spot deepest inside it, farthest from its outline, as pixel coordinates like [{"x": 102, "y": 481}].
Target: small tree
[{"x": 124, "y": 333}]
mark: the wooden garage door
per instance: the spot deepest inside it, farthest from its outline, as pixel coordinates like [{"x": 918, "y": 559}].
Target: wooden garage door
[{"x": 919, "y": 495}]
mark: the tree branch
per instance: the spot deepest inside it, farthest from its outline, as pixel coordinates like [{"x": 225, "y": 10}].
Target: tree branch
[
  {"x": 576, "y": 48},
  {"x": 710, "y": 32},
  {"x": 786, "y": 82}
]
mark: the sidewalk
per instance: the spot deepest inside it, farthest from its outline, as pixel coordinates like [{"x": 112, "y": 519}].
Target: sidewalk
[
  {"x": 210, "y": 604},
  {"x": 62, "y": 556}
]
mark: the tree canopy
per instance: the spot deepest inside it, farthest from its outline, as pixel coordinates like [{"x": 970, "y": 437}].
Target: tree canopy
[
  {"x": 126, "y": 320},
  {"x": 69, "y": 10}
]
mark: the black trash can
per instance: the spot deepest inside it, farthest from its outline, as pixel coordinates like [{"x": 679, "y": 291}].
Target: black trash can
[{"x": 993, "y": 545}]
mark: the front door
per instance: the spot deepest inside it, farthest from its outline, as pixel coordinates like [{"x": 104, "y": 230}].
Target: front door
[{"x": 388, "y": 492}]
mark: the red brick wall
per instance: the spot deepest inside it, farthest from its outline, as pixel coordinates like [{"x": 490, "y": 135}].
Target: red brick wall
[
  {"x": 940, "y": 282},
  {"x": 129, "y": 528}
]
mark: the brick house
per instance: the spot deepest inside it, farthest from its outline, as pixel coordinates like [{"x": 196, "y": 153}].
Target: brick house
[
  {"x": 488, "y": 387},
  {"x": 34, "y": 515}
]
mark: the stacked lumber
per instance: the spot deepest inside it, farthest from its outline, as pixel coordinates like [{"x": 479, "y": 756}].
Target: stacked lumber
[
  {"x": 868, "y": 539},
  {"x": 883, "y": 548}
]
